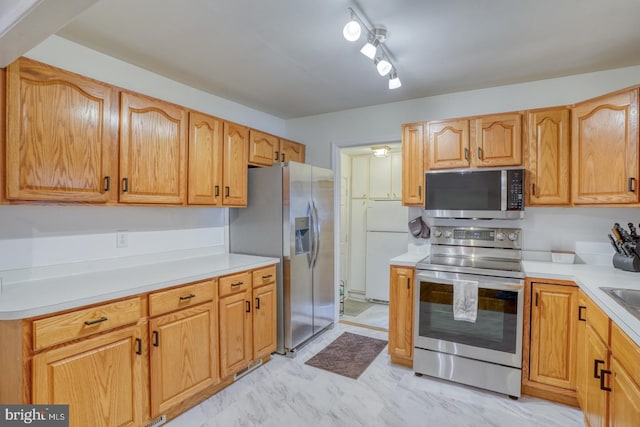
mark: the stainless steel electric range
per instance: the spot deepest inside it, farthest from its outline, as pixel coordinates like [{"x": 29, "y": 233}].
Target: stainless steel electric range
[{"x": 486, "y": 353}]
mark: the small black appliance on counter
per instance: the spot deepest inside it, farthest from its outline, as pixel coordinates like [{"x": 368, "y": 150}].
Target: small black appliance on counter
[{"x": 627, "y": 247}]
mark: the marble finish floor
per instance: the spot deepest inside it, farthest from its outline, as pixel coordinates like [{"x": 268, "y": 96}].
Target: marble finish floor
[
  {"x": 376, "y": 315},
  {"x": 286, "y": 392}
]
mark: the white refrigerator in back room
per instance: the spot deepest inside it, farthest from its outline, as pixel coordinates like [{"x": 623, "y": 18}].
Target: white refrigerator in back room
[{"x": 387, "y": 237}]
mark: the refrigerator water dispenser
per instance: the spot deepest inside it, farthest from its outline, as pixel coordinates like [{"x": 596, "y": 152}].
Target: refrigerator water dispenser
[{"x": 302, "y": 235}]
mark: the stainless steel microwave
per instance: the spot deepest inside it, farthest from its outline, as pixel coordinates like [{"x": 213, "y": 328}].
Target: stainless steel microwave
[{"x": 496, "y": 193}]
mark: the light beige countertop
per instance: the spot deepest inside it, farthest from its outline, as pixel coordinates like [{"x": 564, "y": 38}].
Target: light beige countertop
[
  {"x": 590, "y": 278},
  {"x": 33, "y": 292}
]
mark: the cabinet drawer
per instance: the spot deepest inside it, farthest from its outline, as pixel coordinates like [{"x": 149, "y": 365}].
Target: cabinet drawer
[
  {"x": 264, "y": 276},
  {"x": 598, "y": 320},
  {"x": 234, "y": 283},
  {"x": 81, "y": 323},
  {"x": 177, "y": 298},
  {"x": 626, "y": 351}
]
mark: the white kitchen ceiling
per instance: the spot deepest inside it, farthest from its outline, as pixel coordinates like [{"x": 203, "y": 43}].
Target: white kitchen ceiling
[{"x": 288, "y": 57}]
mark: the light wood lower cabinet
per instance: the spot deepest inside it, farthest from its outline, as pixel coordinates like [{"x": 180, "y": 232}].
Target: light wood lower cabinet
[
  {"x": 264, "y": 313},
  {"x": 549, "y": 365},
  {"x": 624, "y": 404},
  {"x": 235, "y": 323},
  {"x": 184, "y": 355},
  {"x": 597, "y": 359},
  {"x": 102, "y": 379},
  {"x": 401, "y": 294}
]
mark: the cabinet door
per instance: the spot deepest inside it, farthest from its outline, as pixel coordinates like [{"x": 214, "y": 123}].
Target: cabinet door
[
  {"x": 101, "y": 379},
  {"x": 205, "y": 160},
  {"x": 263, "y": 148},
  {"x": 380, "y": 177},
  {"x": 604, "y": 145},
  {"x": 449, "y": 144},
  {"x": 595, "y": 409},
  {"x": 624, "y": 409},
  {"x": 413, "y": 164},
  {"x": 235, "y": 333},
  {"x": 234, "y": 174},
  {"x": 581, "y": 359},
  {"x": 497, "y": 140},
  {"x": 553, "y": 335},
  {"x": 396, "y": 176},
  {"x": 401, "y": 313},
  {"x": 360, "y": 177},
  {"x": 264, "y": 321},
  {"x": 184, "y": 358},
  {"x": 153, "y": 143},
  {"x": 292, "y": 151},
  {"x": 61, "y": 142},
  {"x": 547, "y": 157}
]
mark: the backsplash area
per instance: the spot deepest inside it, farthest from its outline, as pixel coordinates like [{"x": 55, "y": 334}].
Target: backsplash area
[
  {"x": 581, "y": 230},
  {"x": 35, "y": 236}
]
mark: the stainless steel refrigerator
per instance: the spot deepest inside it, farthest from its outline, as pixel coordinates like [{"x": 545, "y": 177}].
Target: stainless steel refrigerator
[{"x": 290, "y": 216}]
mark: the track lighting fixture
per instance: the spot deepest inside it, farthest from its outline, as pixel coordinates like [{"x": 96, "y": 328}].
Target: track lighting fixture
[{"x": 374, "y": 48}]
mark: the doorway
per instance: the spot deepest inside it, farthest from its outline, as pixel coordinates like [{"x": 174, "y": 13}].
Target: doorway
[{"x": 370, "y": 188}]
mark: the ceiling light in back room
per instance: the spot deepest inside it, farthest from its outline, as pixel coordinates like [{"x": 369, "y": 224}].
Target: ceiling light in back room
[{"x": 380, "y": 150}]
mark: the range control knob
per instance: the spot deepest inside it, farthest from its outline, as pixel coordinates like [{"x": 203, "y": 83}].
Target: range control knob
[
  {"x": 437, "y": 233},
  {"x": 447, "y": 234},
  {"x": 500, "y": 236},
  {"x": 513, "y": 236}
]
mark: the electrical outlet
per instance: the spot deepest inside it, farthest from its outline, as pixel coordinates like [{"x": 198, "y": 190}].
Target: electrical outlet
[{"x": 122, "y": 239}]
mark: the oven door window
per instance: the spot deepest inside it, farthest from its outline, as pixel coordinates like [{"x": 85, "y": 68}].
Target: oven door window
[{"x": 496, "y": 326}]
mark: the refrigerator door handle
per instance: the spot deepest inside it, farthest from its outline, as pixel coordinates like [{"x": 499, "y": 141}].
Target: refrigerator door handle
[
  {"x": 316, "y": 232},
  {"x": 310, "y": 254}
]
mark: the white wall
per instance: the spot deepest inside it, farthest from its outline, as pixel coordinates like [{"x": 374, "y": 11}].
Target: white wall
[{"x": 33, "y": 236}]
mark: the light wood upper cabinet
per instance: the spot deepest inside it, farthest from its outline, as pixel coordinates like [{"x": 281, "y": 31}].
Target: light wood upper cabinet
[
  {"x": 264, "y": 149},
  {"x": 61, "y": 135},
  {"x": 496, "y": 140},
  {"x": 292, "y": 151},
  {"x": 401, "y": 294},
  {"x": 413, "y": 164},
  {"x": 552, "y": 356},
  {"x": 604, "y": 145},
  {"x": 184, "y": 355},
  {"x": 153, "y": 144},
  {"x": 449, "y": 144},
  {"x": 205, "y": 160},
  {"x": 236, "y": 157},
  {"x": 547, "y": 157},
  {"x": 102, "y": 379}
]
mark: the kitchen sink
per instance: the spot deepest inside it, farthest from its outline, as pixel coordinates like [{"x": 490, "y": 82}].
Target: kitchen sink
[{"x": 628, "y": 298}]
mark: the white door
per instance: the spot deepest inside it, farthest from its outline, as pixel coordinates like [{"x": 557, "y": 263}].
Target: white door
[{"x": 358, "y": 241}]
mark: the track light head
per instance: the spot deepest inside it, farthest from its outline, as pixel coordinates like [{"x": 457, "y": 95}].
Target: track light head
[
  {"x": 352, "y": 29},
  {"x": 394, "y": 80},
  {"x": 383, "y": 66}
]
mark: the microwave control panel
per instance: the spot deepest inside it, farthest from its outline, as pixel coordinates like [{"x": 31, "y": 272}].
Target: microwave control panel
[{"x": 515, "y": 189}]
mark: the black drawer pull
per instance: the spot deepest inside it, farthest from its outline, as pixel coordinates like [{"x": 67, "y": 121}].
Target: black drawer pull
[
  {"x": 268, "y": 276},
  {"x": 138, "y": 346},
  {"x": 187, "y": 297},
  {"x": 582, "y": 319},
  {"x": 156, "y": 339},
  {"x": 125, "y": 185},
  {"x": 602, "y": 378},
  {"x": 107, "y": 183},
  {"x": 597, "y": 362},
  {"x": 96, "y": 321},
  {"x": 234, "y": 285},
  {"x": 248, "y": 306}
]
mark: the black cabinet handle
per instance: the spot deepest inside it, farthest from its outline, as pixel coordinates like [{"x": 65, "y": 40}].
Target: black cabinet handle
[
  {"x": 480, "y": 153},
  {"x": 580, "y": 318},
  {"x": 282, "y": 157},
  {"x": 187, "y": 297},
  {"x": 217, "y": 190},
  {"x": 233, "y": 285},
  {"x": 602, "y": 378},
  {"x": 276, "y": 157},
  {"x": 96, "y": 321},
  {"x": 533, "y": 189},
  {"x": 596, "y": 363},
  {"x": 226, "y": 191},
  {"x": 156, "y": 339},
  {"x": 408, "y": 282},
  {"x": 537, "y": 295},
  {"x": 138, "y": 346},
  {"x": 268, "y": 276},
  {"x": 125, "y": 185},
  {"x": 466, "y": 154},
  {"x": 419, "y": 190},
  {"x": 630, "y": 186},
  {"x": 257, "y": 303},
  {"x": 248, "y": 306},
  {"x": 107, "y": 183}
]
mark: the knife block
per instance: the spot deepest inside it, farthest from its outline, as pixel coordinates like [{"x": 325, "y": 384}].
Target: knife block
[{"x": 627, "y": 263}]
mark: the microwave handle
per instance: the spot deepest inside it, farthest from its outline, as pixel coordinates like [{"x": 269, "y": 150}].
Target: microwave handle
[{"x": 503, "y": 190}]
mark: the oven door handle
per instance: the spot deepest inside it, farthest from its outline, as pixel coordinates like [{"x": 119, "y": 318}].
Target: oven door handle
[{"x": 483, "y": 281}]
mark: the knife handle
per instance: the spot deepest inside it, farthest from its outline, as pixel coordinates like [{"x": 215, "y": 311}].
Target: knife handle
[
  {"x": 616, "y": 232},
  {"x": 614, "y": 244}
]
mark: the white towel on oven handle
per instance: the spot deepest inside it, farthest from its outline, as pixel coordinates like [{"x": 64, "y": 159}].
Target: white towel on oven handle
[{"x": 465, "y": 300}]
